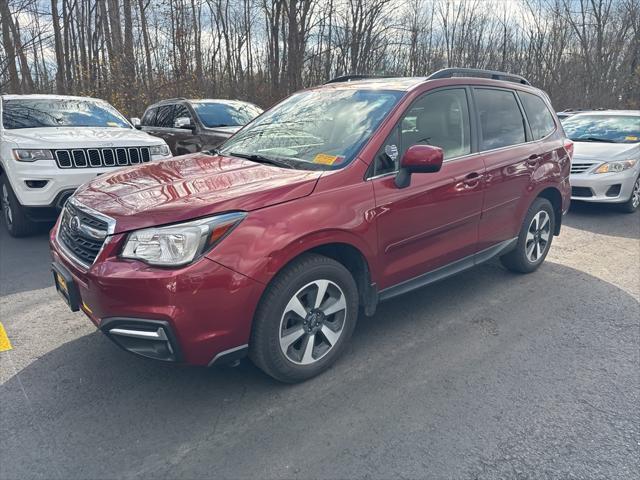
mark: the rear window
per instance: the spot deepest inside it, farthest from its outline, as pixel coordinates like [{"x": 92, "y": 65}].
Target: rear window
[
  {"x": 539, "y": 116},
  {"x": 501, "y": 121},
  {"x": 36, "y": 113}
]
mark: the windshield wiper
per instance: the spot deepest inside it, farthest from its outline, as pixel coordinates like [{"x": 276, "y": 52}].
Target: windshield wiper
[
  {"x": 254, "y": 157},
  {"x": 593, "y": 139}
]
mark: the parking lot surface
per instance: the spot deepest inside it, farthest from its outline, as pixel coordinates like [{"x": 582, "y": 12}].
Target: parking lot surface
[{"x": 485, "y": 375}]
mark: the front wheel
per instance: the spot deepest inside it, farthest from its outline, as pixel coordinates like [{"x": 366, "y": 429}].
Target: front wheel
[
  {"x": 632, "y": 204},
  {"x": 534, "y": 239},
  {"x": 15, "y": 218},
  {"x": 305, "y": 319}
]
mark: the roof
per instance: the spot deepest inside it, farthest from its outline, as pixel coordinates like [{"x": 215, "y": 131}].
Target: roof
[
  {"x": 48, "y": 97},
  {"x": 382, "y": 83},
  {"x": 198, "y": 100}
]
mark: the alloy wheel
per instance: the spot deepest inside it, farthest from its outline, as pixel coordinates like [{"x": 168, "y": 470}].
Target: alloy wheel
[
  {"x": 6, "y": 205},
  {"x": 635, "y": 195},
  {"x": 312, "y": 322},
  {"x": 538, "y": 235}
]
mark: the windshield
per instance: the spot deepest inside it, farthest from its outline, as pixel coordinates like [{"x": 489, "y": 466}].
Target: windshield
[
  {"x": 320, "y": 129},
  {"x": 603, "y": 128},
  {"x": 23, "y": 113},
  {"x": 225, "y": 115}
]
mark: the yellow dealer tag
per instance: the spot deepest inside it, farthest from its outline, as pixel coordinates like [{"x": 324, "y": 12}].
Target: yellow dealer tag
[
  {"x": 112, "y": 124},
  {"x": 325, "y": 159},
  {"x": 631, "y": 138}
]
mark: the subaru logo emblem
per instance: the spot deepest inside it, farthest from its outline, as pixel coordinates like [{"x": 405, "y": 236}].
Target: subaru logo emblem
[{"x": 74, "y": 224}]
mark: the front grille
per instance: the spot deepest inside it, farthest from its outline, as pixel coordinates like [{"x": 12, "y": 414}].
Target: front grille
[
  {"x": 581, "y": 192},
  {"x": 101, "y": 157},
  {"x": 581, "y": 167},
  {"x": 81, "y": 233}
]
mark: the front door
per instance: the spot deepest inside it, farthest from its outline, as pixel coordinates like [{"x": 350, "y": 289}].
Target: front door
[{"x": 434, "y": 221}]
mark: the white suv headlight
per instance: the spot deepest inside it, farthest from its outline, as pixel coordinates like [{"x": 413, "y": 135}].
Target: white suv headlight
[
  {"x": 615, "y": 167},
  {"x": 179, "y": 244},
  {"x": 161, "y": 150},
  {"x": 32, "y": 154}
]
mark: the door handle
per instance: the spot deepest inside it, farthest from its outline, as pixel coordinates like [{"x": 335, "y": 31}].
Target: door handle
[
  {"x": 470, "y": 181},
  {"x": 533, "y": 160}
]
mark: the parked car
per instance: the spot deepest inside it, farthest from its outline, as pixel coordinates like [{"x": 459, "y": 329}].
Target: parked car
[
  {"x": 606, "y": 163},
  {"x": 337, "y": 198},
  {"x": 190, "y": 126},
  {"x": 51, "y": 144}
]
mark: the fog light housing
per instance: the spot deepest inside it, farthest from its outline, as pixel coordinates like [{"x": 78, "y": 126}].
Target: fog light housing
[
  {"x": 146, "y": 338},
  {"x": 36, "y": 183}
]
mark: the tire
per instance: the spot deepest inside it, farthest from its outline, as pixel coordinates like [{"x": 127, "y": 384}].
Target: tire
[
  {"x": 280, "y": 338},
  {"x": 534, "y": 241},
  {"x": 632, "y": 204},
  {"x": 15, "y": 218}
]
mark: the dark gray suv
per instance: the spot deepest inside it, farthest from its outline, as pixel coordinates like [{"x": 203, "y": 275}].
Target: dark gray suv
[{"x": 190, "y": 126}]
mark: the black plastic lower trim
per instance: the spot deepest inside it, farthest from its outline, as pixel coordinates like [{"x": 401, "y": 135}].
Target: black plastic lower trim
[
  {"x": 142, "y": 347},
  {"x": 48, "y": 213},
  {"x": 448, "y": 270}
]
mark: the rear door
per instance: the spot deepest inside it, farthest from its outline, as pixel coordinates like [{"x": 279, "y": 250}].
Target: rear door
[
  {"x": 434, "y": 221},
  {"x": 510, "y": 160}
]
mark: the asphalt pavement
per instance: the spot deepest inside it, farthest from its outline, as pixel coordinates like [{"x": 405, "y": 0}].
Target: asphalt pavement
[{"x": 485, "y": 375}]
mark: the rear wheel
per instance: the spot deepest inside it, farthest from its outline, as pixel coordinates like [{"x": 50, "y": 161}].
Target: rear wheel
[
  {"x": 534, "y": 239},
  {"x": 305, "y": 319},
  {"x": 15, "y": 218},
  {"x": 632, "y": 204}
]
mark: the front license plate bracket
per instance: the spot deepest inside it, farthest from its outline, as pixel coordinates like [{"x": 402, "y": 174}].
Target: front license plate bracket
[{"x": 66, "y": 286}]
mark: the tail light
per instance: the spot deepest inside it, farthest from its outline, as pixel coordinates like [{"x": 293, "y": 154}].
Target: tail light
[{"x": 568, "y": 146}]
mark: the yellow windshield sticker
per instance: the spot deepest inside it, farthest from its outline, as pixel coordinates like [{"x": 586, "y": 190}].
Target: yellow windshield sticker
[
  {"x": 112, "y": 124},
  {"x": 325, "y": 159},
  {"x": 631, "y": 138}
]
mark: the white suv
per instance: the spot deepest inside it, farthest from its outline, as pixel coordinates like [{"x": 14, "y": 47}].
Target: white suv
[{"x": 52, "y": 144}]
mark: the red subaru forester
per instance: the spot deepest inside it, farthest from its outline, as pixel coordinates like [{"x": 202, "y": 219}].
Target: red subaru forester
[{"x": 335, "y": 199}]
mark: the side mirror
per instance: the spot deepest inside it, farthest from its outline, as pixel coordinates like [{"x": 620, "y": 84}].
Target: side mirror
[
  {"x": 418, "y": 159},
  {"x": 183, "y": 122},
  {"x": 135, "y": 121}
]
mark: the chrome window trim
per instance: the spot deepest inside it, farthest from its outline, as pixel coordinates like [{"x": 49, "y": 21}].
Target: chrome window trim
[{"x": 64, "y": 251}]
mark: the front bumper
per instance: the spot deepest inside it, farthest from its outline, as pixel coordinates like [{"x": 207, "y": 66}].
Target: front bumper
[
  {"x": 604, "y": 187},
  {"x": 191, "y": 315}
]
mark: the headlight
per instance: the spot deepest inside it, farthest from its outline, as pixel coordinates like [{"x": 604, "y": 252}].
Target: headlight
[
  {"x": 615, "y": 167},
  {"x": 162, "y": 150},
  {"x": 179, "y": 244},
  {"x": 31, "y": 155}
]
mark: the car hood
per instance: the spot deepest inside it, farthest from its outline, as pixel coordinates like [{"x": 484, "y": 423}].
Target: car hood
[
  {"x": 85, "y": 137},
  {"x": 191, "y": 186},
  {"x": 605, "y": 152}
]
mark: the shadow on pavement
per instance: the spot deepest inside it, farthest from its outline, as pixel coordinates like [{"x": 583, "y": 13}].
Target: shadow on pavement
[
  {"x": 603, "y": 218},
  {"x": 488, "y": 365}
]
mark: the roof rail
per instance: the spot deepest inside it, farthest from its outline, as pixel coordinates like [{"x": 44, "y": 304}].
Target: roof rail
[
  {"x": 478, "y": 72},
  {"x": 177, "y": 99},
  {"x": 351, "y": 77}
]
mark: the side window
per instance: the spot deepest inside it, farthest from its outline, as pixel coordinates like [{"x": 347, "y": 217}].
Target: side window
[
  {"x": 440, "y": 118},
  {"x": 164, "y": 118},
  {"x": 501, "y": 121},
  {"x": 149, "y": 117},
  {"x": 181, "y": 111},
  {"x": 538, "y": 114}
]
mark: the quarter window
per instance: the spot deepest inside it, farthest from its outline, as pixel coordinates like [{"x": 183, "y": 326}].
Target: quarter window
[
  {"x": 440, "y": 119},
  {"x": 538, "y": 114},
  {"x": 501, "y": 121},
  {"x": 149, "y": 117}
]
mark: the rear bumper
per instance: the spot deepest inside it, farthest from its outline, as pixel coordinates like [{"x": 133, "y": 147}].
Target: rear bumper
[
  {"x": 605, "y": 187},
  {"x": 192, "y": 315}
]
